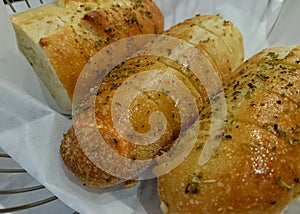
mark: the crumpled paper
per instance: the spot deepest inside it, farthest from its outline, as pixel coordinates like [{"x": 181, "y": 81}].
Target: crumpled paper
[{"x": 30, "y": 131}]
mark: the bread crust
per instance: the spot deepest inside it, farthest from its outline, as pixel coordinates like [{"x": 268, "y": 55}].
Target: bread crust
[
  {"x": 58, "y": 39},
  {"x": 255, "y": 169},
  {"x": 140, "y": 109},
  {"x": 218, "y": 39}
]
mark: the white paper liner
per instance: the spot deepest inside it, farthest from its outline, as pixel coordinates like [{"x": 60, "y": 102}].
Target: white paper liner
[{"x": 30, "y": 131}]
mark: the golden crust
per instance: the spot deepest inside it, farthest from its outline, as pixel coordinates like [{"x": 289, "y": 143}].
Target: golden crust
[
  {"x": 255, "y": 169},
  {"x": 78, "y": 163},
  {"x": 141, "y": 108},
  {"x": 71, "y": 32},
  {"x": 219, "y": 40}
]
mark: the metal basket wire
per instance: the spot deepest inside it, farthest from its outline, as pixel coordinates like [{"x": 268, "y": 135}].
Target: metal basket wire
[
  {"x": 14, "y": 171},
  {"x": 10, "y": 3},
  {"x": 9, "y": 169}
]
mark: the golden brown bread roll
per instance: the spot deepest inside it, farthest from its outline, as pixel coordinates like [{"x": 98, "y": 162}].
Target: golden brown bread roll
[
  {"x": 216, "y": 38},
  {"x": 58, "y": 39},
  {"x": 146, "y": 102},
  {"x": 256, "y": 167}
]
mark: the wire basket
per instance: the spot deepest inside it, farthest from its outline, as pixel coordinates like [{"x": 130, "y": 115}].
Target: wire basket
[
  {"x": 27, "y": 195},
  {"x": 12, "y": 171},
  {"x": 15, "y": 6}
]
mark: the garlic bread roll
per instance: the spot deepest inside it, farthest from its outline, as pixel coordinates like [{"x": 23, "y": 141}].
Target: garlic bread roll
[
  {"x": 75, "y": 154},
  {"x": 256, "y": 167},
  {"x": 218, "y": 39},
  {"x": 59, "y": 38}
]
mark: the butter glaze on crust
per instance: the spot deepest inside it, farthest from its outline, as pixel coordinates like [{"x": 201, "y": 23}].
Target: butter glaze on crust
[
  {"x": 58, "y": 39},
  {"x": 255, "y": 169},
  {"x": 146, "y": 103}
]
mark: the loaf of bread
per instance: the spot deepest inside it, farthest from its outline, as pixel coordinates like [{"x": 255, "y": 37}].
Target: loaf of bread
[
  {"x": 256, "y": 167},
  {"x": 216, "y": 38},
  {"x": 207, "y": 33},
  {"x": 58, "y": 39}
]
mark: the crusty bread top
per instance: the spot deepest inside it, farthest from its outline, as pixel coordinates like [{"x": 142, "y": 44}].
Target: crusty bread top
[
  {"x": 141, "y": 108},
  {"x": 71, "y": 32},
  {"x": 74, "y": 149},
  {"x": 218, "y": 39},
  {"x": 256, "y": 167}
]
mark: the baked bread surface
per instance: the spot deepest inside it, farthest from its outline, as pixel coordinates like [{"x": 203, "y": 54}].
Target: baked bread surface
[
  {"x": 74, "y": 153},
  {"x": 256, "y": 167},
  {"x": 58, "y": 39}
]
